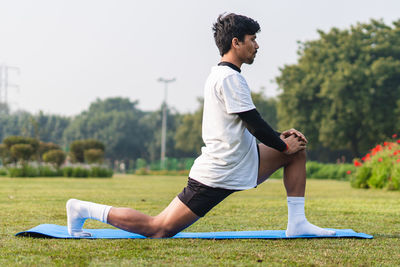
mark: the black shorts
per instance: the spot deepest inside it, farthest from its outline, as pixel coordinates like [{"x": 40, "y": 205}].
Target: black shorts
[{"x": 201, "y": 198}]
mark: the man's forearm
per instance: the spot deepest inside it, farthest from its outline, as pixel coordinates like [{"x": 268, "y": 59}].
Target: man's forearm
[{"x": 261, "y": 130}]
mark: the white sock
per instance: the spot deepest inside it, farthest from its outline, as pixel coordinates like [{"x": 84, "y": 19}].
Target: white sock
[
  {"x": 78, "y": 211},
  {"x": 297, "y": 222}
]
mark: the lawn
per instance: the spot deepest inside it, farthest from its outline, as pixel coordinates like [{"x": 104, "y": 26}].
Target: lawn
[{"x": 25, "y": 203}]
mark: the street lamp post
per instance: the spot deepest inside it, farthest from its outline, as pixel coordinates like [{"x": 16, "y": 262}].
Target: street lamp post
[{"x": 164, "y": 120}]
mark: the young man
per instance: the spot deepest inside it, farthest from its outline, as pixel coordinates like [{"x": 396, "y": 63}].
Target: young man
[{"x": 231, "y": 159}]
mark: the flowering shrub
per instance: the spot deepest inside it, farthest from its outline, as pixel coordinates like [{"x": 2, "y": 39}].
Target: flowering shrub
[{"x": 380, "y": 168}]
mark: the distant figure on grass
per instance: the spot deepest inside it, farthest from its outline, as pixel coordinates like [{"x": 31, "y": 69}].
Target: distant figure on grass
[{"x": 231, "y": 160}]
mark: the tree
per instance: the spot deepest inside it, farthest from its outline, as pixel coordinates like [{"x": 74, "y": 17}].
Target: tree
[
  {"x": 48, "y": 128},
  {"x": 22, "y": 152},
  {"x": 116, "y": 122},
  {"x": 344, "y": 91},
  {"x": 267, "y": 107},
  {"x": 188, "y": 134},
  {"x": 4, "y": 109},
  {"x": 45, "y": 147},
  {"x": 23, "y": 146},
  {"x": 94, "y": 155},
  {"x": 51, "y": 127},
  {"x": 15, "y": 124},
  {"x": 79, "y": 147},
  {"x": 5, "y": 154},
  {"x": 152, "y": 122},
  {"x": 55, "y": 156}
]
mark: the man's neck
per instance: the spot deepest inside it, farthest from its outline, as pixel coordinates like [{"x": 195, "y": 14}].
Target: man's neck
[{"x": 234, "y": 60}]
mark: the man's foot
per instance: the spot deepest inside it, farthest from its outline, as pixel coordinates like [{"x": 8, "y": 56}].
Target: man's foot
[
  {"x": 305, "y": 228},
  {"x": 76, "y": 217}
]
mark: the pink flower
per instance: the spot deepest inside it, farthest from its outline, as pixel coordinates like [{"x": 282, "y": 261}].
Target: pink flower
[{"x": 348, "y": 172}]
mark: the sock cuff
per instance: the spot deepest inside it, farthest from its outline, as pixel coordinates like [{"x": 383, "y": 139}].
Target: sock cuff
[
  {"x": 105, "y": 214},
  {"x": 295, "y": 200}
]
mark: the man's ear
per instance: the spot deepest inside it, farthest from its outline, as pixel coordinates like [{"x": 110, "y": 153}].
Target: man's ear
[{"x": 235, "y": 42}]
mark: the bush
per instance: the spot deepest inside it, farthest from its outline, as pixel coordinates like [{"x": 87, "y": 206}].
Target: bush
[
  {"x": 14, "y": 140},
  {"x": 11, "y": 141},
  {"x": 99, "y": 171},
  {"x": 3, "y": 171},
  {"x": 316, "y": 170},
  {"x": 360, "y": 178},
  {"x": 25, "y": 170},
  {"x": 142, "y": 171},
  {"x": 380, "y": 168},
  {"x": 78, "y": 147},
  {"x": 84, "y": 171},
  {"x": 67, "y": 171},
  {"x": 172, "y": 164},
  {"x": 93, "y": 155},
  {"x": 49, "y": 171},
  {"x": 5, "y": 155},
  {"x": 45, "y": 147},
  {"x": 380, "y": 175},
  {"x": 56, "y": 157},
  {"x": 21, "y": 152},
  {"x": 278, "y": 174},
  {"x": 188, "y": 163},
  {"x": 141, "y": 163},
  {"x": 394, "y": 181},
  {"x": 80, "y": 172}
]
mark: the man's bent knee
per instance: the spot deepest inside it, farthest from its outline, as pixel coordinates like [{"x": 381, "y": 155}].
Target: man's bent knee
[
  {"x": 300, "y": 155},
  {"x": 163, "y": 232},
  {"x": 161, "y": 229},
  {"x": 303, "y": 154}
]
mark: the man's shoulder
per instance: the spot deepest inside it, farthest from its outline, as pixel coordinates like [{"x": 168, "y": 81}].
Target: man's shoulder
[{"x": 223, "y": 72}]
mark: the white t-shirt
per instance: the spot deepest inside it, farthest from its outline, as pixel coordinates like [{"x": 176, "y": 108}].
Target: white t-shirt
[{"x": 229, "y": 158}]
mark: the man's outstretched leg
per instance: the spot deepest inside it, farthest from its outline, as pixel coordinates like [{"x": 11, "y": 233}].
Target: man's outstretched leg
[
  {"x": 173, "y": 219},
  {"x": 295, "y": 183}
]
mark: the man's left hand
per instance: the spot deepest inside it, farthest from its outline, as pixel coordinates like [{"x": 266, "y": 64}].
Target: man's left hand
[{"x": 295, "y": 132}]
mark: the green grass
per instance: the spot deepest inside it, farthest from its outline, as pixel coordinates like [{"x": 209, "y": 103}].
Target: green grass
[{"x": 25, "y": 203}]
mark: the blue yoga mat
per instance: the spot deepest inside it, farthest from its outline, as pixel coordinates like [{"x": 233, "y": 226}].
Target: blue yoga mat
[{"x": 57, "y": 231}]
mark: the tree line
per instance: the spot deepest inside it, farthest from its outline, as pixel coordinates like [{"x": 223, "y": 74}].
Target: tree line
[
  {"x": 127, "y": 132},
  {"x": 343, "y": 94}
]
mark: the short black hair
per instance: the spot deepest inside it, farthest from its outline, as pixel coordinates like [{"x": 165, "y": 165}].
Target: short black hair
[{"x": 230, "y": 26}]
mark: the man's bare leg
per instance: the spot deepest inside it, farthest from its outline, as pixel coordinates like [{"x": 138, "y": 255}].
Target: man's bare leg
[
  {"x": 294, "y": 179},
  {"x": 173, "y": 219}
]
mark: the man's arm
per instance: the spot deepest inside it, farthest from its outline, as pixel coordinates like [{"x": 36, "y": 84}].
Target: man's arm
[{"x": 261, "y": 130}]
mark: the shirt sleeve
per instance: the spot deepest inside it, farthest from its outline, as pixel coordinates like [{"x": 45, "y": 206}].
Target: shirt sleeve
[
  {"x": 236, "y": 94},
  {"x": 261, "y": 130}
]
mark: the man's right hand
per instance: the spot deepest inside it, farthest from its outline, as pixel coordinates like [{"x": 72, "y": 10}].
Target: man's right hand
[{"x": 294, "y": 143}]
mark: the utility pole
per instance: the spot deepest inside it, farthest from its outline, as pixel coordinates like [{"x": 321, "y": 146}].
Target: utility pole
[
  {"x": 4, "y": 84},
  {"x": 164, "y": 120}
]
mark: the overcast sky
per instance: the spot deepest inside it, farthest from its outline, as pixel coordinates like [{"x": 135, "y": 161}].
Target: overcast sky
[{"x": 74, "y": 51}]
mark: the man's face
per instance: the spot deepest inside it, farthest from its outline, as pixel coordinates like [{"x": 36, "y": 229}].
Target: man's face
[{"x": 248, "y": 49}]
